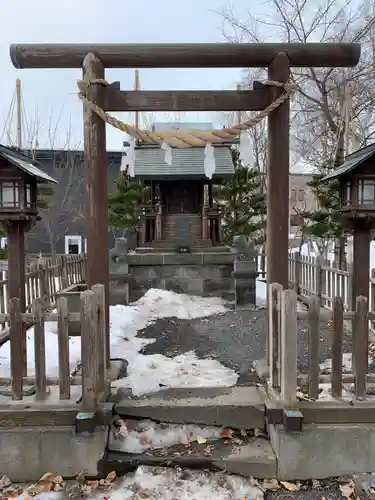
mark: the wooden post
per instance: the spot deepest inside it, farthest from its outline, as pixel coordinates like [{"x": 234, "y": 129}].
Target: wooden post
[
  {"x": 297, "y": 272},
  {"x": 319, "y": 279},
  {"x": 89, "y": 352},
  {"x": 16, "y": 277},
  {"x": 361, "y": 264},
  {"x": 96, "y": 202},
  {"x": 314, "y": 341},
  {"x": 43, "y": 285},
  {"x": 337, "y": 345},
  {"x": 274, "y": 318},
  {"x": 288, "y": 386},
  {"x": 360, "y": 346},
  {"x": 40, "y": 349},
  {"x": 64, "y": 273},
  {"x": 16, "y": 351},
  {"x": 278, "y": 178},
  {"x": 349, "y": 290},
  {"x": 63, "y": 340},
  {"x": 99, "y": 293}
]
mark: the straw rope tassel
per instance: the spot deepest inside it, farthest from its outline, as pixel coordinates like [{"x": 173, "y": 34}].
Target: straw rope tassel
[{"x": 184, "y": 138}]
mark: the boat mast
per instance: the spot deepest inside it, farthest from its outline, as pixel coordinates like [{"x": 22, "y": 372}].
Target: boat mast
[{"x": 19, "y": 113}]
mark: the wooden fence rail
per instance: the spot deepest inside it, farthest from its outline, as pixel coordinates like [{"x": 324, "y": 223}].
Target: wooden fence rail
[
  {"x": 93, "y": 345},
  {"x": 310, "y": 275},
  {"x": 43, "y": 282},
  {"x": 284, "y": 378}
]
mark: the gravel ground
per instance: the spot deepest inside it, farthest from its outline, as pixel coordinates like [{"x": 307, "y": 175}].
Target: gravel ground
[{"x": 235, "y": 338}]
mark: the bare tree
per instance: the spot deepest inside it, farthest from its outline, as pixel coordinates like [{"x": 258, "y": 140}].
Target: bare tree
[
  {"x": 61, "y": 205},
  {"x": 323, "y": 94}
]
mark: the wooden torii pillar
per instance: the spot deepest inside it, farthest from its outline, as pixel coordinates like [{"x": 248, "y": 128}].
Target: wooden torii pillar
[{"x": 278, "y": 57}]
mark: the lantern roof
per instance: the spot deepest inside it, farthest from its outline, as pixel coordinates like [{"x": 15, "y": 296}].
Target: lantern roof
[
  {"x": 25, "y": 163},
  {"x": 352, "y": 162}
]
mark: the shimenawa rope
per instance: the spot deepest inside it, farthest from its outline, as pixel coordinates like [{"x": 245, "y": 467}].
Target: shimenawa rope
[{"x": 184, "y": 138}]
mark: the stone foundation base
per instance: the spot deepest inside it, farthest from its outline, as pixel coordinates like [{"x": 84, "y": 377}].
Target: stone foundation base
[
  {"x": 198, "y": 273},
  {"x": 323, "y": 451}
]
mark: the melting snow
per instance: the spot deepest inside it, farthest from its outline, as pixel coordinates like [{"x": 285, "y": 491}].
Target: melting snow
[
  {"x": 165, "y": 484},
  {"x": 138, "y": 437}
]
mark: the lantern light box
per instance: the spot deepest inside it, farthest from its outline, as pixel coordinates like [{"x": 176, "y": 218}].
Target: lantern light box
[
  {"x": 19, "y": 179},
  {"x": 356, "y": 177}
]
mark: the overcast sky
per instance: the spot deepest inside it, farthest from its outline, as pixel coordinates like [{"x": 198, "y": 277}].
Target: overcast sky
[{"x": 51, "y": 94}]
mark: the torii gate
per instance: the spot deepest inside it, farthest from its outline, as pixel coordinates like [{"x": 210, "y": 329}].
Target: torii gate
[{"x": 94, "y": 58}]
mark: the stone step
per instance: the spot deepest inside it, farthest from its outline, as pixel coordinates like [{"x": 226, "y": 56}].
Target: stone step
[
  {"x": 171, "y": 248},
  {"x": 254, "y": 458},
  {"x": 195, "y": 243},
  {"x": 235, "y": 407}
]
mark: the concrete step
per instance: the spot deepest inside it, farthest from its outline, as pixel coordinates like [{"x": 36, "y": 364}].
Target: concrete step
[
  {"x": 254, "y": 458},
  {"x": 235, "y": 407}
]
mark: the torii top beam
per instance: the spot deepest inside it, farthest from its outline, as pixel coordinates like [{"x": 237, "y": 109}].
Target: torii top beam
[{"x": 180, "y": 55}]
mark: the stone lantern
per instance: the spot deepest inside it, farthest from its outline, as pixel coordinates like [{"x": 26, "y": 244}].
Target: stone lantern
[
  {"x": 356, "y": 178},
  {"x": 19, "y": 178}
]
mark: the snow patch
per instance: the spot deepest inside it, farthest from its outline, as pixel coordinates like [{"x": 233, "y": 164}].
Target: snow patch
[
  {"x": 147, "y": 374},
  {"x": 169, "y": 484},
  {"x": 160, "y": 483},
  {"x": 138, "y": 437}
]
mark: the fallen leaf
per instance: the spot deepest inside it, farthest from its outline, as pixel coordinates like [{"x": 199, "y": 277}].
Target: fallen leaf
[
  {"x": 81, "y": 477},
  {"x": 226, "y": 433},
  {"x": 5, "y": 482},
  {"x": 40, "y": 487},
  {"x": 58, "y": 487},
  {"x": 270, "y": 484},
  {"x": 48, "y": 477},
  {"x": 201, "y": 439},
  {"x": 347, "y": 490},
  {"x": 121, "y": 428},
  {"x": 12, "y": 494},
  {"x": 145, "y": 493},
  {"x": 93, "y": 484},
  {"x": 290, "y": 486},
  {"x": 111, "y": 476},
  {"x": 85, "y": 489}
]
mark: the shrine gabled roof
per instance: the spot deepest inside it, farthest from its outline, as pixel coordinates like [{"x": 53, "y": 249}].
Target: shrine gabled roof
[
  {"x": 186, "y": 163},
  {"x": 352, "y": 162},
  {"x": 24, "y": 163}
]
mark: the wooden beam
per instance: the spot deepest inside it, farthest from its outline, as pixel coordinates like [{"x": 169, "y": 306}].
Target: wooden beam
[
  {"x": 184, "y": 55},
  {"x": 16, "y": 289},
  {"x": 206, "y": 100},
  {"x": 45, "y": 415},
  {"x": 278, "y": 178},
  {"x": 96, "y": 197}
]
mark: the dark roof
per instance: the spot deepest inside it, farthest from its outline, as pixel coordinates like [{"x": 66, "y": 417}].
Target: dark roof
[
  {"x": 352, "y": 161},
  {"x": 189, "y": 163},
  {"x": 24, "y": 163},
  {"x": 43, "y": 155}
]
